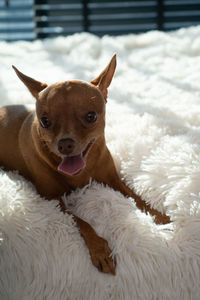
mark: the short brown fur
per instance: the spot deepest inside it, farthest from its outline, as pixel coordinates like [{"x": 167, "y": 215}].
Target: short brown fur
[{"x": 33, "y": 150}]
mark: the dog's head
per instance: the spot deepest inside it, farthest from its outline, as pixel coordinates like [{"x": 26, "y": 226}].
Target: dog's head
[{"x": 71, "y": 116}]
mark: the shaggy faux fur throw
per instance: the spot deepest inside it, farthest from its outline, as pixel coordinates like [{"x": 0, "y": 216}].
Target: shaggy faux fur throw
[{"x": 153, "y": 132}]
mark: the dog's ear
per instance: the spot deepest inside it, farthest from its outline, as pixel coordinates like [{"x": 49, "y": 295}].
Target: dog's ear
[
  {"x": 104, "y": 79},
  {"x": 33, "y": 85}
]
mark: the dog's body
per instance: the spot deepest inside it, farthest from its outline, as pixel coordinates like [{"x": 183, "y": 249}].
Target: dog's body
[{"x": 61, "y": 146}]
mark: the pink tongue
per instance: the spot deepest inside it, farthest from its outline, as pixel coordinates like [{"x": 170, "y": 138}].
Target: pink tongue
[{"x": 71, "y": 165}]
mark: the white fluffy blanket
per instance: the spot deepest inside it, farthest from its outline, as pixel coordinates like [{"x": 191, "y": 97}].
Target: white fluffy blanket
[{"x": 153, "y": 131}]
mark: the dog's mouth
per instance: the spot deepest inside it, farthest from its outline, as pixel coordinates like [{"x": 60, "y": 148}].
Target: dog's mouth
[{"x": 73, "y": 165}]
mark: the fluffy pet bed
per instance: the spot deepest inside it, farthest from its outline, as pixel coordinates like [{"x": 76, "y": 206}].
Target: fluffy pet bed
[{"x": 153, "y": 132}]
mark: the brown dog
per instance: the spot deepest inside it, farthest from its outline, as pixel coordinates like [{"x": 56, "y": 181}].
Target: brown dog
[{"x": 61, "y": 145}]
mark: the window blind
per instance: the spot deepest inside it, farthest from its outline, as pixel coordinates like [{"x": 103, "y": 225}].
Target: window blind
[
  {"x": 17, "y": 20},
  {"x": 55, "y": 17},
  {"x": 30, "y": 19},
  {"x": 180, "y": 13}
]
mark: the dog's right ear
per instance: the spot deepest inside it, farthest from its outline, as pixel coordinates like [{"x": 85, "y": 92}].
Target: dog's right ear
[{"x": 34, "y": 86}]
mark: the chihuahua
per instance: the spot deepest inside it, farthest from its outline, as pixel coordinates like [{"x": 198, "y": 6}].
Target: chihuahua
[{"x": 61, "y": 145}]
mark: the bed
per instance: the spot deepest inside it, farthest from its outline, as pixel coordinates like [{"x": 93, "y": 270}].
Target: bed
[{"x": 153, "y": 133}]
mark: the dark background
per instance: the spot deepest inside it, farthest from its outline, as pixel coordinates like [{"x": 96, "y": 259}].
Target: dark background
[{"x": 29, "y": 19}]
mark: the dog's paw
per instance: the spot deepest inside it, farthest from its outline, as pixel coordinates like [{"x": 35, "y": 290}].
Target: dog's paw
[
  {"x": 161, "y": 219},
  {"x": 101, "y": 256}
]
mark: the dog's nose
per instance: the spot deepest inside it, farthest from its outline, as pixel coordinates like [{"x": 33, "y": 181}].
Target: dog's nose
[{"x": 66, "y": 146}]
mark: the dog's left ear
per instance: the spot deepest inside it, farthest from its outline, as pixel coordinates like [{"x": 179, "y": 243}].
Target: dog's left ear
[
  {"x": 33, "y": 85},
  {"x": 104, "y": 79}
]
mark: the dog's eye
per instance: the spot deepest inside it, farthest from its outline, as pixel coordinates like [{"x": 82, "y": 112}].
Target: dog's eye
[
  {"x": 91, "y": 117},
  {"x": 45, "y": 122}
]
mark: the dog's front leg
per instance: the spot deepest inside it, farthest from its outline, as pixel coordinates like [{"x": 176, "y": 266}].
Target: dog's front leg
[
  {"x": 98, "y": 247},
  {"x": 108, "y": 175},
  {"x": 118, "y": 185}
]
